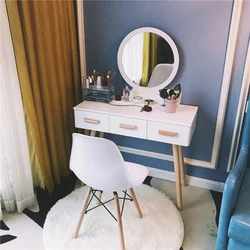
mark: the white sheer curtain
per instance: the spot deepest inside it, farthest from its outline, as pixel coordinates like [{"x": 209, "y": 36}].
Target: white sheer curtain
[
  {"x": 132, "y": 58},
  {"x": 16, "y": 185}
]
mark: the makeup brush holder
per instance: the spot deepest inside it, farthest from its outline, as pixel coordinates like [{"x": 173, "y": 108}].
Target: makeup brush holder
[{"x": 171, "y": 105}]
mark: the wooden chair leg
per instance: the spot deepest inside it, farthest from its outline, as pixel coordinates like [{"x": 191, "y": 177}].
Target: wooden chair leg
[
  {"x": 119, "y": 221},
  {"x": 132, "y": 193},
  {"x": 177, "y": 177},
  {"x": 182, "y": 170},
  {"x": 82, "y": 213}
]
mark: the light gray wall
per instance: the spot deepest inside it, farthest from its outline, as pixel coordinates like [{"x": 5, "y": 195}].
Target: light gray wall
[{"x": 200, "y": 30}]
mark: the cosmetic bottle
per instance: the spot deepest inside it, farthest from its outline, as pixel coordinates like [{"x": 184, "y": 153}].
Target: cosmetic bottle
[
  {"x": 99, "y": 82},
  {"x": 87, "y": 83},
  {"x": 94, "y": 76},
  {"x": 91, "y": 82},
  {"x": 108, "y": 80}
]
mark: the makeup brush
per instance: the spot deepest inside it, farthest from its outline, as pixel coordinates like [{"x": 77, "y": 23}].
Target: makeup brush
[
  {"x": 177, "y": 90},
  {"x": 112, "y": 75},
  {"x": 164, "y": 93},
  {"x": 108, "y": 73}
]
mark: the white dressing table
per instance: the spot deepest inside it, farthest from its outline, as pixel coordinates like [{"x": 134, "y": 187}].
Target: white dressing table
[{"x": 176, "y": 129}]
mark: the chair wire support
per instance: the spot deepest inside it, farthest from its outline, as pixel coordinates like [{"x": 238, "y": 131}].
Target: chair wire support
[
  {"x": 93, "y": 191},
  {"x": 130, "y": 198},
  {"x": 124, "y": 198}
]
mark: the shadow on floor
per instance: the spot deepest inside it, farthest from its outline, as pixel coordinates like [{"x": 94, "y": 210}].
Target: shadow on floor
[
  {"x": 217, "y": 196},
  {"x": 46, "y": 201}
]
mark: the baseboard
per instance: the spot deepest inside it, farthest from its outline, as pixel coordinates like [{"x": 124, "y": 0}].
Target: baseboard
[{"x": 191, "y": 180}]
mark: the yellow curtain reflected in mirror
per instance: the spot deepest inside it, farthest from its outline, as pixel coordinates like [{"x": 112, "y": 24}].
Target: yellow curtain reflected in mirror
[{"x": 149, "y": 56}]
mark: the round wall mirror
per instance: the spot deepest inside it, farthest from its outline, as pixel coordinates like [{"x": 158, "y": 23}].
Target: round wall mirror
[{"x": 148, "y": 60}]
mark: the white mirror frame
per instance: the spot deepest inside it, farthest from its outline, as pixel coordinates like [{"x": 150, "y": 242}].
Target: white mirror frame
[{"x": 152, "y": 92}]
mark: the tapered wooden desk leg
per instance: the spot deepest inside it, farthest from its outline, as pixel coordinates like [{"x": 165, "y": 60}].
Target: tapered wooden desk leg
[
  {"x": 92, "y": 133},
  {"x": 119, "y": 221},
  {"x": 82, "y": 213},
  {"x": 182, "y": 170},
  {"x": 132, "y": 193},
  {"x": 177, "y": 177}
]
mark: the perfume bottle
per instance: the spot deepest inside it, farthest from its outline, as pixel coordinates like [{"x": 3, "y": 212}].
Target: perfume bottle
[{"x": 99, "y": 82}]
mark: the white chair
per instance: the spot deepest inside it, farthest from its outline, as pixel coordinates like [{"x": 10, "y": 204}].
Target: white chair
[
  {"x": 160, "y": 74},
  {"x": 99, "y": 164}
]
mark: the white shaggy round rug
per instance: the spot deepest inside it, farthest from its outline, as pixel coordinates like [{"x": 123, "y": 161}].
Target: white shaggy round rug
[{"x": 160, "y": 228}]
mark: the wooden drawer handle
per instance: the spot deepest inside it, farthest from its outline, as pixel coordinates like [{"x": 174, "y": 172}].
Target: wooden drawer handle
[
  {"x": 127, "y": 126},
  {"x": 167, "y": 133},
  {"x": 88, "y": 120}
]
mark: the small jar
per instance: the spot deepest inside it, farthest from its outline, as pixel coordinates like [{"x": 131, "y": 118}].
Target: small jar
[
  {"x": 137, "y": 99},
  {"x": 171, "y": 105}
]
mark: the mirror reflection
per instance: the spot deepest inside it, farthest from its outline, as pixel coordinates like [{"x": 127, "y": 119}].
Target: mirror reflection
[{"x": 147, "y": 59}]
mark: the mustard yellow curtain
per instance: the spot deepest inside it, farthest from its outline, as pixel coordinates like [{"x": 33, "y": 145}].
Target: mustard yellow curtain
[
  {"x": 149, "y": 60},
  {"x": 45, "y": 45}
]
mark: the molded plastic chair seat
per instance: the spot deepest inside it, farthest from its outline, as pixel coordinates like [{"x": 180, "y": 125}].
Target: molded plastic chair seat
[{"x": 137, "y": 173}]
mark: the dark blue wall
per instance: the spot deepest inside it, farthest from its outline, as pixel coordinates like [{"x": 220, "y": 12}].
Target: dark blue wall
[{"x": 200, "y": 30}]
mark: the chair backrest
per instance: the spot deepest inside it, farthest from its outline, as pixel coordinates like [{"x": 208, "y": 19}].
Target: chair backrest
[
  {"x": 160, "y": 74},
  {"x": 98, "y": 163}
]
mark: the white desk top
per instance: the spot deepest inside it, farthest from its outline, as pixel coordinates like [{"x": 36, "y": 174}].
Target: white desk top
[{"x": 184, "y": 116}]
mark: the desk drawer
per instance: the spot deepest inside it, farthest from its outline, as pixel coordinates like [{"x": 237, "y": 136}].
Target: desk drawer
[
  {"x": 92, "y": 121},
  {"x": 169, "y": 133},
  {"x": 128, "y": 126}
]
